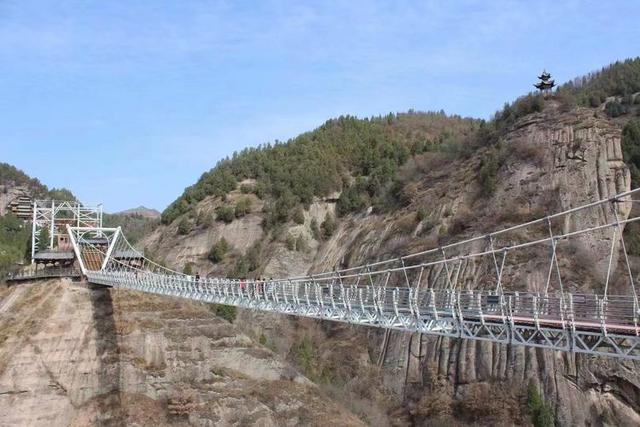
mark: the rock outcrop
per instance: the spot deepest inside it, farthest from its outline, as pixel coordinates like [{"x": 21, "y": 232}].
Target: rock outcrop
[{"x": 76, "y": 355}]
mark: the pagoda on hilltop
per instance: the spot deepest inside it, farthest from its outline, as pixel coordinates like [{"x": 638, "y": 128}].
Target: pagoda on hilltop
[{"x": 546, "y": 83}]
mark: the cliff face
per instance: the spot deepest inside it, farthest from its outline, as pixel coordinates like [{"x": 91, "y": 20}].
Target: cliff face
[
  {"x": 548, "y": 162},
  {"x": 9, "y": 193},
  {"x": 75, "y": 355}
]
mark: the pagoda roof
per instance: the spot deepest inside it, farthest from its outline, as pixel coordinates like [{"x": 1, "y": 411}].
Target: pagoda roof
[{"x": 545, "y": 85}]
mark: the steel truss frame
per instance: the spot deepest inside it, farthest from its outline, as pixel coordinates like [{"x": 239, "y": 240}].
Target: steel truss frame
[{"x": 55, "y": 215}]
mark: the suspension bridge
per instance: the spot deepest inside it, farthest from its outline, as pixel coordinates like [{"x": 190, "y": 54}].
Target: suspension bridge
[{"x": 522, "y": 285}]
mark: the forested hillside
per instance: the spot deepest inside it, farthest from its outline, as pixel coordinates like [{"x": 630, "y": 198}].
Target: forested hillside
[
  {"x": 15, "y": 236},
  {"x": 361, "y": 158},
  {"x": 134, "y": 225},
  {"x": 11, "y": 177},
  {"x": 343, "y": 153},
  {"x": 621, "y": 79}
]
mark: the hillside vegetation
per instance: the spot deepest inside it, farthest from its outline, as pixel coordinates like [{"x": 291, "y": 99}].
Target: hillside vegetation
[
  {"x": 620, "y": 79},
  {"x": 343, "y": 153},
  {"x": 14, "y": 242},
  {"x": 361, "y": 158},
  {"x": 10, "y": 177},
  {"x": 134, "y": 225}
]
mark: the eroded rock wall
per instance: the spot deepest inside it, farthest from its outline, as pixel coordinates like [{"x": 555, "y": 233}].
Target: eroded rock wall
[{"x": 71, "y": 354}]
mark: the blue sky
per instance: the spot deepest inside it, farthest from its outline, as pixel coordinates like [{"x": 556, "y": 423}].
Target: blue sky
[{"x": 128, "y": 102}]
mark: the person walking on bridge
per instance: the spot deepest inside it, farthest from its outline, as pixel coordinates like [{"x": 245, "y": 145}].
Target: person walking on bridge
[{"x": 242, "y": 285}]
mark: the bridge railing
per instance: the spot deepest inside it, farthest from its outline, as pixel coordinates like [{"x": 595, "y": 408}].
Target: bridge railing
[
  {"x": 556, "y": 310},
  {"x": 43, "y": 274}
]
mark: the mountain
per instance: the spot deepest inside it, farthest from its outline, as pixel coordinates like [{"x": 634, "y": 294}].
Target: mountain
[
  {"x": 140, "y": 211},
  {"x": 357, "y": 190},
  {"x": 345, "y": 152},
  {"x": 136, "y": 222}
]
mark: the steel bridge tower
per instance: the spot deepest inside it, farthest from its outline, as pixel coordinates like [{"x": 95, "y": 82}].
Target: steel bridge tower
[{"x": 53, "y": 216}]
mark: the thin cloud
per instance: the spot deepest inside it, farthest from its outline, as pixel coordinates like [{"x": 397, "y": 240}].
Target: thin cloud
[{"x": 172, "y": 87}]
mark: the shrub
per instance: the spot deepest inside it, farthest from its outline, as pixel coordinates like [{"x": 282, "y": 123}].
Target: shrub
[
  {"x": 246, "y": 188},
  {"x": 421, "y": 215},
  {"x": 188, "y": 269},
  {"x": 427, "y": 225},
  {"x": 243, "y": 207},
  {"x": 298, "y": 215},
  {"x": 14, "y": 241},
  {"x": 227, "y": 312},
  {"x": 614, "y": 109},
  {"x": 184, "y": 227},
  {"x": 301, "y": 244},
  {"x": 328, "y": 226},
  {"x": 260, "y": 190},
  {"x": 254, "y": 256},
  {"x": 350, "y": 200},
  {"x": 530, "y": 152},
  {"x": 44, "y": 240},
  {"x": 298, "y": 243},
  {"x": 315, "y": 229},
  {"x": 476, "y": 404},
  {"x": 522, "y": 106},
  {"x": 291, "y": 242},
  {"x": 204, "y": 219},
  {"x": 241, "y": 269},
  {"x": 567, "y": 101},
  {"x": 631, "y": 150},
  {"x": 594, "y": 101},
  {"x": 218, "y": 251},
  {"x": 225, "y": 214},
  {"x": 284, "y": 205},
  {"x": 627, "y": 99},
  {"x": 305, "y": 356},
  {"x": 541, "y": 414},
  {"x": 489, "y": 168}
]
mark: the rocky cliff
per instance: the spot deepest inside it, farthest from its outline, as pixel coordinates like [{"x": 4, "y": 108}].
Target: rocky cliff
[
  {"x": 547, "y": 161},
  {"x": 76, "y": 355}
]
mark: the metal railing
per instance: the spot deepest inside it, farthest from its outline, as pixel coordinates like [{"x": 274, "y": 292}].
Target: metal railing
[
  {"x": 568, "y": 322},
  {"x": 43, "y": 274}
]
